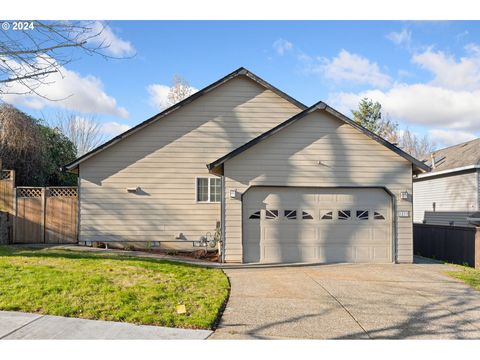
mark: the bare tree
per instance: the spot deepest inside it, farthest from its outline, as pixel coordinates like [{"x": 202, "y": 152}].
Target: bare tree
[
  {"x": 29, "y": 55},
  {"x": 418, "y": 147},
  {"x": 20, "y": 143},
  {"x": 84, "y": 132},
  {"x": 179, "y": 90}
]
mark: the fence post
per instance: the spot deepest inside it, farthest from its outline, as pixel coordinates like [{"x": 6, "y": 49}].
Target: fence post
[
  {"x": 477, "y": 248},
  {"x": 14, "y": 220},
  {"x": 44, "y": 206}
]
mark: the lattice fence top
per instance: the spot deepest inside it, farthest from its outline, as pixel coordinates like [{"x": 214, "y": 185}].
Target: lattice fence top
[
  {"x": 62, "y": 192},
  {"x": 29, "y": 192},
  {"x": 6, "y": 175}
]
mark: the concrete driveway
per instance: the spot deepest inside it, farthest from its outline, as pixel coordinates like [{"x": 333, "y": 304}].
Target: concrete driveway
[{"x": 349, "y": 301}]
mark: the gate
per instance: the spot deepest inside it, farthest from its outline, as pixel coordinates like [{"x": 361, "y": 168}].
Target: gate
[{"x": 45, "y": 215}]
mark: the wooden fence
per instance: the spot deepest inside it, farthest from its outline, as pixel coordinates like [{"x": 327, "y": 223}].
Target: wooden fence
[
  {"x": 454, "y": 244},
  {"x": 40, "y": 214}
]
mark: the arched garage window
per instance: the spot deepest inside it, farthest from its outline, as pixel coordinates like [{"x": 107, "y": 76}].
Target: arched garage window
[
  {"x": 344, "y": 214},
  {"x": 290, "y": 214},
  {"x": 362, "y": 214},
  {"x": 271, "y": 214},
  {"x": 255, "y": 215},
  {"x": 306, "y": 216},
  {"x": 326, "y": 215}
]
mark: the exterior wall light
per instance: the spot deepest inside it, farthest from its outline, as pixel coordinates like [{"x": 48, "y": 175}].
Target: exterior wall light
[
  {"x": 134, "y": 190},
  {"x": 404, "y": 195},
  {"x": 233, "y": 194}
]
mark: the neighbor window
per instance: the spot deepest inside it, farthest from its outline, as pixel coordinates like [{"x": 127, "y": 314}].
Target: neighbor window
[{"x": 209, "y": 189}]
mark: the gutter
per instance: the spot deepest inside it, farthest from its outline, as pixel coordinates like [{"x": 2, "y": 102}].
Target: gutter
[{"x": 449, "y": 171}]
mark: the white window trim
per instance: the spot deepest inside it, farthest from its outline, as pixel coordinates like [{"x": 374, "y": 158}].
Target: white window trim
[{"x": 208, "y": 196}]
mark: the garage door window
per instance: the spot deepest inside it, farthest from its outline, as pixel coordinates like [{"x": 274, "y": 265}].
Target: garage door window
[
  {"x": 306, "y": 215},
  {"x": 378, "y": 216},
  {"x": 362, "y": 214},
  {"x": 271, "y": 214},
  {"x": 255, "y": 215},
  {"x": 290, "y": 214},
  {"x": 326, "y": 215},
  {"x": 344, "y": 214}
]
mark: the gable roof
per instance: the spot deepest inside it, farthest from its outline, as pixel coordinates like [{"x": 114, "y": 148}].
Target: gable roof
[
  {"x": 318, "y": 106},
  {"x": 457, "y": 156},
  {"x": 239, "y": 72}
]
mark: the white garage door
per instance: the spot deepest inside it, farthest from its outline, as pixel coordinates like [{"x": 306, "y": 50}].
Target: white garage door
[{"x": 282, "y": 224}]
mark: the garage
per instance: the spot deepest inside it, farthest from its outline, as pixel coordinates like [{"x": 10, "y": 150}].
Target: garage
[{"x": 325, "y": 225}]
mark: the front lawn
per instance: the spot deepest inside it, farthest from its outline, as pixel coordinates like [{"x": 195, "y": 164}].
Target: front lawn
[
  {"x": 468, "y": 275},
  {"x": 110, "y": 287}
]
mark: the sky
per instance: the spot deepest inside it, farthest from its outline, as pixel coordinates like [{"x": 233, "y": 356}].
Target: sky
[{"x": 425, "y": 74}]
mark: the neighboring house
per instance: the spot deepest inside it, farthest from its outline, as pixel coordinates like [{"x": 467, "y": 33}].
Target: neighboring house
[
  {"x": 288, "y": 183},
  {"x": 449, "y": 193}
]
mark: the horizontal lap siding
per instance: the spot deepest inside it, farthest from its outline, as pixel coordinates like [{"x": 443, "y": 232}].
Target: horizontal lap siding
[
  {"x": 165, "y": 158},
  {"x": 290, "y": 158},
  {"x": 455, "y": 197}
]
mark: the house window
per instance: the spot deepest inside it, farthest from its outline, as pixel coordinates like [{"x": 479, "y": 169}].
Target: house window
[
  {"x": 378, "y": 216},
  {"x": 209, "y": 190}
]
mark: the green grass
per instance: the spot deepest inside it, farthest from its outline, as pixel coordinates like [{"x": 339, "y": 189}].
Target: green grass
[
  {"x": 468, "y": 275},
  {"x": 110, "y": 287}
]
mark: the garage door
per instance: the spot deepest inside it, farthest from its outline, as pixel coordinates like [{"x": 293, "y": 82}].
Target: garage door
[{"x": 282, "y": 224}]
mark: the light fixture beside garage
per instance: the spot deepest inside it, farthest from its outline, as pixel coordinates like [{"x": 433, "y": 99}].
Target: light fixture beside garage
[
  {"x": 233, "y": 193},
  {"x": 134, "y": 189},
  {"x": 404, "y": 195}
]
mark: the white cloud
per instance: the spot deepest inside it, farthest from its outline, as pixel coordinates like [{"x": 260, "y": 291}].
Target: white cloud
[
  {"x": 450, "y": 137},
  {"x": 113, "y": 128},
  {"x": 116, "y": 46},
  {"x": 347, "y": 67},
  {"x": 449, "y": 73},
  {"x": 282, "y": 46},
  {"x": 403, "y": 37},
  {"x": 159, "y": 95},
  {"x": 421, "y": 104},
  {"x": 449, "y": 100},
  {"x": 65, "y": 89}
]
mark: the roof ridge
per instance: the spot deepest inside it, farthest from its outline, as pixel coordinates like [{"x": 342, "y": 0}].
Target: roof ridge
[
  {"x": 452, "y": 146},
  {"x": 320, "y": 105},
  {"x": 241, "y": 71}
]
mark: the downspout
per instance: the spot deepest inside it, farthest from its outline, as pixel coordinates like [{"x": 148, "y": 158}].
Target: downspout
[{"x": 222, "y": 222}]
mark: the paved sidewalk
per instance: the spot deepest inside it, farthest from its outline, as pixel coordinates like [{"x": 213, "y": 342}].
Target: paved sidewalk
[{"x": 18, "y": 325}]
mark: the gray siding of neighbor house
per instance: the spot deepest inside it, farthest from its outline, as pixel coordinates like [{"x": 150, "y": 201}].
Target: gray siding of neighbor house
[
  {"x": 165, "y": 158},
  {"x": 290, "y": 158},
  {"x": 455, "y": 196}
]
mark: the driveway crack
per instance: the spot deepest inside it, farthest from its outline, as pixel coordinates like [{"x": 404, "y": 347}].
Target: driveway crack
[{"x": 339, "y": 303}]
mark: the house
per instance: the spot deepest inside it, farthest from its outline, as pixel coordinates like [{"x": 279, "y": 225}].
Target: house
[
  {"x": 449, "y": 193},
  {"x": 285, "y": 182}
]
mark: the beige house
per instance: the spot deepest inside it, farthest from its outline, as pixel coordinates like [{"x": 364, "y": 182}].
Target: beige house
[{"x": 283, "y": 182}]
